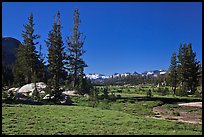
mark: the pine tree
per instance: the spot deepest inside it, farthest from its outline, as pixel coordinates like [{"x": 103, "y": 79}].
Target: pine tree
[
  {"x": 27, "y": 60},
  {"x": 75, "y": 63},
  {"x": 188, "y": 68},
  {"x": 41, "y": 75},
  {"x": 55, "y": 58},
  {"x": 30, "y": 48},
  {"x": 19, "y": 69},
  {"x": 173, "y": 74},
  {"x": 193, "y": 67}
]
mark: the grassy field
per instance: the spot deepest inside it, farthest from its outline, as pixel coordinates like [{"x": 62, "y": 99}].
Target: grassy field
[
  {"x": 57, "y": 119},
  {"x": 132, "y": 113}
]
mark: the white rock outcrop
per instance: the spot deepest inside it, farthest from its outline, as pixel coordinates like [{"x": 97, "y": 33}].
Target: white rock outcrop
[
  {"x": 14, "y": 90},
  {"x": 29, "y": 88},
  {"x": 70, "y": 93}
]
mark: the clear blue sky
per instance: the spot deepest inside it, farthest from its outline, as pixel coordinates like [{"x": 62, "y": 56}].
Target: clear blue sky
[{"x": 121, "y": 37}]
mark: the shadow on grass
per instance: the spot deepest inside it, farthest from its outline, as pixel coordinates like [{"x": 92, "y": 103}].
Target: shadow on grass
[
  {"x": 163, "y": 99},
  {"x": 31, "y": 102}
]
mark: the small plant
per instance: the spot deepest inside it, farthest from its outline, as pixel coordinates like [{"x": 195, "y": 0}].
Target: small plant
[
  {"x": 119, "y": 90},
  {"x": 112, "y": 97},
  {"x": 131, "y": 101},
  {"x": 176, "y": 113},
  {"x": 181, "y": 92},
  {"x": 94, "y": 97},
  {"x": 149, "y": 93},
  {"x": 118, "y": 96},
  {"x": 105, "y": 93},
  {"x": 164, "y": 91},
  {"x": 9, "y": 96}
]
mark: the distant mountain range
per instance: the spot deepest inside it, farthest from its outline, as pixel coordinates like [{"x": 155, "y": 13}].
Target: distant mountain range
[{"x": 154, "y": 73}]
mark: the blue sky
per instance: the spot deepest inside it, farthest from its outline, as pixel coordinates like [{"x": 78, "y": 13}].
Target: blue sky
[{"x": 120, "y": 36}]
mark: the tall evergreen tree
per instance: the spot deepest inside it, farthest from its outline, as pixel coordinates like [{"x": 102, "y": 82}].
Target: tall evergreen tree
[
  {"x": 75, "y": 62},
  {"x": 173, "y": 74},
  {"x": 188, "y": 68},
  {"x": 55, "y": 58},
  {"x": 27, "y": 59},
  {"x": 192, "y": 66},
  {"x": 41, "y": 75},
  {"x": 19, "y": 68}
]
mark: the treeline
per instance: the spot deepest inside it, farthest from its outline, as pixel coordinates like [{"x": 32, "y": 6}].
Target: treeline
[{"x": 65, "y": 63}]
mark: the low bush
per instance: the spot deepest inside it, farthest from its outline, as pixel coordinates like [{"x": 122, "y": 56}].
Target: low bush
[
  {"x": 149, "y": 93},
  {"x": 119, "y": 90},
  {"x": 118, "y": 96},
  {"x": 176, "y": 113},
  {"x": 181, "y": 92}
]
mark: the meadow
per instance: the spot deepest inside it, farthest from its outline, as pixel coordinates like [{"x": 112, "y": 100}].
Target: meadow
[{"x": 131, "y": 113}]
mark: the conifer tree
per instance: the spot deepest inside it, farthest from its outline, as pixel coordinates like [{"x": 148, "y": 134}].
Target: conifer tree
[
  {"x": 75, "y": 63},
  {"x": 55, "y": 58},
  {"x": 27, "y": 60},
  {"x": 173, "y": 74},
  {"x": 41, "y": 75},
  {"x": 19, "y": 69},
  {"x": 188, "y": 68},
  {"x": 30, "y": 48},
  {"x": 192, "y": 67}
]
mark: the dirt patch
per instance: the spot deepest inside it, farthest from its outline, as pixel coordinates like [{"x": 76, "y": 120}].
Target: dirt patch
[
  {"x": 189, "y": 113},
  {"x": 191, "y": 104}
]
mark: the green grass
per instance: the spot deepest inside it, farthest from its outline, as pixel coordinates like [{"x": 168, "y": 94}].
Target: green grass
[
  {"x": 58, "y": 119},
  {"x": 127, "y": 105},
  {"x": 130, "y": 91},
  {"x": 126, "y": 115}
]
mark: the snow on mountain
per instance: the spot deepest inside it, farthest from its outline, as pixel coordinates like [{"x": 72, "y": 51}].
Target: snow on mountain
[
  {"x": 163, "y": 72},
  {"x": 125, "y": 74},
  {"x": 93, "y": 76},
  {"x": 150, "y": 73},
  {"x": 96, "y": 76}
]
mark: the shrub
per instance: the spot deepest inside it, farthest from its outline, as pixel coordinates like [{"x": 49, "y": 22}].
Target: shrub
[
  {"x": 104, "y": 104},
  {"x": 164, "y": 91},
  {"x": 119, "y": 90},
  {"x": 105, "y": 93},
  {"x": 4, "y": 94},
  {"x": 131, "y": 101},
  {"x": 198, "y": 94},
  {"x": 159, "y": 90},
  {"x": 176, "y": 113},
  {"x": 8, "y": 96},
  {"x": 181, "y": 92},
  {"x": 118, "y": 96},
  {"x": 149, "y": 93},
  {"x": 112, "y": 97}
]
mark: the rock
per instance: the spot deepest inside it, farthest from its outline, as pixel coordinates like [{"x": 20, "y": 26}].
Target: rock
[
  {"x": 86, "y": 95},
  {"x": 20, "y": 96},
  {"x": 71, "y": 93},
  {"x": 14, "y": 90},
  {"x": 29, "y": 88},
  {"x": 47, "y": 97},
  {"x": 66, "y": 100}
]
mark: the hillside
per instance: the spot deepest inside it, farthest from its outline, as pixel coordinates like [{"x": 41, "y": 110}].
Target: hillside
[{"x": 9, "y": 50}]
